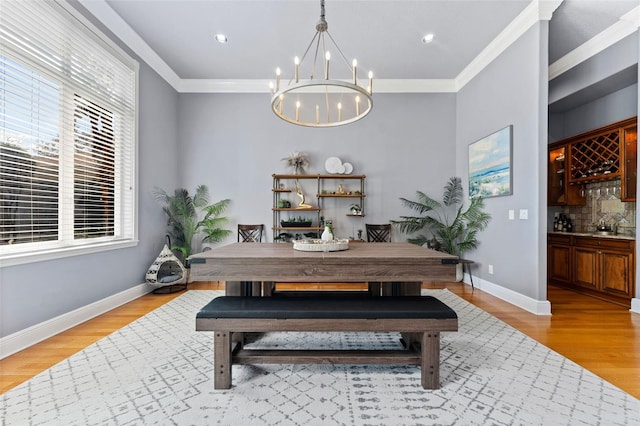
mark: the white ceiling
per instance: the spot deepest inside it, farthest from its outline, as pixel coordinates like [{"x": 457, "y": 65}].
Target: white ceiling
[{"x": 384, "y": 35}]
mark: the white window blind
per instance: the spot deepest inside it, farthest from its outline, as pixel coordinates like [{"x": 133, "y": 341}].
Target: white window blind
[{"x": 67, "y": 133}]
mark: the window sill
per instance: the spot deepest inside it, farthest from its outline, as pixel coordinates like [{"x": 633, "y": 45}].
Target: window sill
[{"x": 59, "y": 253}]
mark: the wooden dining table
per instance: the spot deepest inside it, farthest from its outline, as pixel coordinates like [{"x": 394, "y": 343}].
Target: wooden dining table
[{"x": 389, "y": 268}]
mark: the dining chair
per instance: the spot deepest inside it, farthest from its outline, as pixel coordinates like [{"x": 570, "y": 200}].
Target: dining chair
[
  {"x": 378, "y": 233},
  {"x": 250, "y": 233}
]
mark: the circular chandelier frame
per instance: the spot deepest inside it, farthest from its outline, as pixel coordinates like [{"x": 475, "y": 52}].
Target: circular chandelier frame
[{"x": 337, "y": 102}]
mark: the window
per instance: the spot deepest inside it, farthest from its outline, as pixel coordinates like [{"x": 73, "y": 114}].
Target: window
[{"x": 67, "y": 135}]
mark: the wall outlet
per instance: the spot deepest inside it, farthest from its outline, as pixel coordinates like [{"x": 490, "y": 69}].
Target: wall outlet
[{"x": 491, "y": 269}]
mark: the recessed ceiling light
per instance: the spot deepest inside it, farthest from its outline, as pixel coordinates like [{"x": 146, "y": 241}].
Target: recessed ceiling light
[
  {"x": 221, "y": 38},
  {"x": 427, "y": 39}
]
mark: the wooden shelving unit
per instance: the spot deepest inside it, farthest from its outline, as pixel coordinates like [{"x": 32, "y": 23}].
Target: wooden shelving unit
[{"x": 327, "y": 187}]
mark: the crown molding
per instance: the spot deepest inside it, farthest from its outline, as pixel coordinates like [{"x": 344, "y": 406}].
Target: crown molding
[
  {"x": 262, "y": 86},
  {"x": 627, "y": 25},
  {"x": 536, "y": 10},
  {"x": 105, "y": 14}
]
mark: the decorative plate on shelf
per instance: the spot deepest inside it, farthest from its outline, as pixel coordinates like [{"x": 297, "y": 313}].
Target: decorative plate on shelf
[
  {"x": 348, "y": 168},
  {"x": 320, "y": 245},
  {"x": 333, "y": 165}
]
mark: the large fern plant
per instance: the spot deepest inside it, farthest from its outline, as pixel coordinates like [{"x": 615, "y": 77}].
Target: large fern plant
[
  {"x": 189, "y": 215},
  {"x": 454, "y": 228}
]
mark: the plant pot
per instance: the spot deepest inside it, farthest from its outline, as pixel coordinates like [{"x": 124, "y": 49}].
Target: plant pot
[
  {"x": 459, "y": 273},
  {"x": 286, "y": 224}
]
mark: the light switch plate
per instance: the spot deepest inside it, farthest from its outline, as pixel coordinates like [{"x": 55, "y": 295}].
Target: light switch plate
[
  {"x": 524, "y": 214},
  {"x": 512, "y": 214}
]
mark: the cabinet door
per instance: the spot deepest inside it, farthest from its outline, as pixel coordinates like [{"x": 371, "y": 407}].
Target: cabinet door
[
  {"x": 556, "y": 177},
  {"x": 630, "y": 163},
  {"x": 615, "y": 273},
  {"x": 586, "y": 271},
  {"x": 559, "y": 260},
  {"x": 559, "y": 192}
]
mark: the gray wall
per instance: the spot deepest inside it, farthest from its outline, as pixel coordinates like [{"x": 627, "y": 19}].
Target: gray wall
[
  {"x": 36, "y": 292},
  {"x": 509, "y": 92},
  {"x": 608, "y": 109},
  {"x": 234, "y": 143}
]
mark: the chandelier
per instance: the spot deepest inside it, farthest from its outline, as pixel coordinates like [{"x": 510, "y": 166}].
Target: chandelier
[{"x": 321, "y": 101}]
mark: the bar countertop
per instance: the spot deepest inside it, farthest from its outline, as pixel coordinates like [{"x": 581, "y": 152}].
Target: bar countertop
[{"x": 594, "y": 235}]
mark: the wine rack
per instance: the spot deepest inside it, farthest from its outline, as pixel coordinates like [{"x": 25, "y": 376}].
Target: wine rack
[
  {"x": 596, "y": 157},
  {"x": 606, "y": 153}
]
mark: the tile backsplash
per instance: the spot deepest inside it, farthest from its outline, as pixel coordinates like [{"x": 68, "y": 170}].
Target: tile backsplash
[{"x": 603, "y": 204}]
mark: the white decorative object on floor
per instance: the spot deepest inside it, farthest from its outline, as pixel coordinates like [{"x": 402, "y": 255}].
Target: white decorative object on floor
[{"x": 166, "y": 270}]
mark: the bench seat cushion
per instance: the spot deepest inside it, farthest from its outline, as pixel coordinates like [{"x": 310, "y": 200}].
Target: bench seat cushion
[{"x": 317, "y": 306}]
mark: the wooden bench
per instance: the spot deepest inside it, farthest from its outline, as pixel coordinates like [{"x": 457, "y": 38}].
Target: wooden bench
[{"x": 420, "y": 318}]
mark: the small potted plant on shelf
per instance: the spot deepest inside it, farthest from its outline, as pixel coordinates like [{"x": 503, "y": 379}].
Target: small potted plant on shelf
[
  {"x": 299, "y": 222},
  {"x": 355, "y": 209},
  {"x": 298, "y": 161},
  {"x": 284, "y": 204},
  {"x": 283, "y": 237}
]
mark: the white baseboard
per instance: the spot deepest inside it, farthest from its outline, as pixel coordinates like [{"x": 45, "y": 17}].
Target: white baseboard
[
  {"x": 635, "y": 305},
  {"x": 537, "y": 307},
  {"x": 22, "y": 339}
]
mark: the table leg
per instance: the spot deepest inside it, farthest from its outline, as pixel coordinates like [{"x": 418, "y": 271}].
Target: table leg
[
  {"x": 256, "y": 289},
  {"x": 374, "y": 288},
  {"x": 233, "y": 288},
  {"x": 222, "y": 360},
  {"x": 399, "y": 289},
  {"x": 268, "y": 287},
  {"x": 410, "y": 288}
]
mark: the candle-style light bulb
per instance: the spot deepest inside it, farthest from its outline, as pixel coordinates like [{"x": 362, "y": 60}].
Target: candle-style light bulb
[
  {"x": 317, "y": 114},
  {"x": 354, "y": 65},
  {"x": 327, "y": 56},
  {"x": 370, "y": 82},
  {"x": 277, "y": 79},
  {"x": 281, "y": 102},
  {"x": 339, "y": 111},
  {"x": 298, "y": 111},
  {"x": 271, "y": 87},
  {"x": 357, "y": 105},
  {"x": 296, "y": 61}
]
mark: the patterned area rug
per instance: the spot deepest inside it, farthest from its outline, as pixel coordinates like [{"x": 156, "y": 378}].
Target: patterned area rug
[{"x": 158, "y": 371}]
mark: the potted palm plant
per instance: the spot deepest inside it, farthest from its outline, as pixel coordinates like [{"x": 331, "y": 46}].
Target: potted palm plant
[
  {"x": 188, "y": 216},
  {"x": 451, "y": 228}
]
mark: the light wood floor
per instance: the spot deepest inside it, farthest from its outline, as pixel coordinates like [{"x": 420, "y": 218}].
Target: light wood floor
[{"x": 600, "y": 336}]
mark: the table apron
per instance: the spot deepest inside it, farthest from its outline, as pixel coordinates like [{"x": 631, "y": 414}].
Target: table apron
[{"x": 324, "y": 271}]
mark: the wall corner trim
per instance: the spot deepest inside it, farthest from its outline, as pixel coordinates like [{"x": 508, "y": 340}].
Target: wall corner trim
[{"x": 635, "y": 305}]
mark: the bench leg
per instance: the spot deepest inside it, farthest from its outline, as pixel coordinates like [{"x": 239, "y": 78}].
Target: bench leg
[
  {"x": 222, "y": 360},
  {"x": 430, "y": 360}
]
